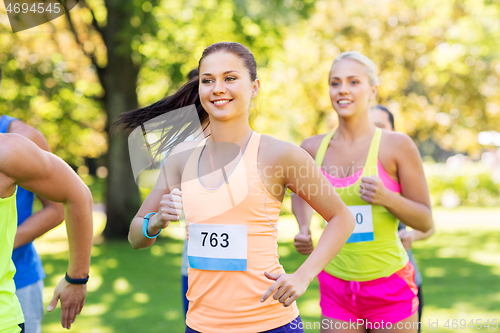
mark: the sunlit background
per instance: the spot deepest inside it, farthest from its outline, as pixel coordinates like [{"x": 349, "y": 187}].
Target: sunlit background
[{"x": 439, "y": 67}]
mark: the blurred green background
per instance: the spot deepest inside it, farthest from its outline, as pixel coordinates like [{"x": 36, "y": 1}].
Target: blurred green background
[
  {"x": 139, "y": 291},
  {"x": 439, "y": 67}
]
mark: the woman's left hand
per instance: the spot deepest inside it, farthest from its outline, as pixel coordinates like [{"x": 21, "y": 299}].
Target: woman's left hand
[
  {"x": 373, "y": 190},
  {"x": 407, "y": 238},
  {"x": 287, "y": 288}
]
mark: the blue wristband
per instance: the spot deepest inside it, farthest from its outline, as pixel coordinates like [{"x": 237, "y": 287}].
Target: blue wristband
[{"x": 145, "y": 226}]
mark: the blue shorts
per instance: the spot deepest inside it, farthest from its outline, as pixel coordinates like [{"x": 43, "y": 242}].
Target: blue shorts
[
  {"x": 185, "y": 301},
  {"x": 292, "y": 327}
]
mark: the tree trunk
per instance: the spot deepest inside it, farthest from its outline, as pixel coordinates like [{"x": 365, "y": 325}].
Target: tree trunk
[{"x": 119, "y": 81}]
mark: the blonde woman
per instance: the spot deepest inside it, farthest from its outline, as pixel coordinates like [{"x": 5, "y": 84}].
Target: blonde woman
[{"x": 369, "y": 286}]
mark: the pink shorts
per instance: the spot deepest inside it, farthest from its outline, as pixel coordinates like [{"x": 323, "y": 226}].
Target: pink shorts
[{"x": 388, "y": 299}]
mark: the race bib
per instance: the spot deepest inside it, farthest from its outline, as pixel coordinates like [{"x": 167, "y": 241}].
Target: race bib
[
  {"x": 217, "y": 247},
  {"x": 363, "y": 231}
]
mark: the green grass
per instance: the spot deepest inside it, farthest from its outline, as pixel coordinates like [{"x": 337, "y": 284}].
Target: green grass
[
  {"x": 138, "y": 291},
  {"x": 129, "y": 291}
]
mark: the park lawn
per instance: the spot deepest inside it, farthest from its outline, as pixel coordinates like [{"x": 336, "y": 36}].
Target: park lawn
[{"x": 138, "y": 291}]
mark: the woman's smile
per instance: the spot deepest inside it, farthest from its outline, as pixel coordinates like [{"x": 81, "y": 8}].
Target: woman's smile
[
  {"x": 221, "y": 102},
  {"x": 343, "y": 103}
]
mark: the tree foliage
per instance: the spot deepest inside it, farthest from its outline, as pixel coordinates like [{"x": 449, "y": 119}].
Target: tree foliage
[
  {"x": 50, "y": 84},
  {"x": 439, "y": 65}
]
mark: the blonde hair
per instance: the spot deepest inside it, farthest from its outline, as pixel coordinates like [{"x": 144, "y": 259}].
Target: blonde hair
[{"x": 371, "y": 68}]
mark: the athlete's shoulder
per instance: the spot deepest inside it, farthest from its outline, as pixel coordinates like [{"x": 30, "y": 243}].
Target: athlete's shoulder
[
  {"x": 277, "y": 146},
  {"x": 13, "y": 147},
  {"x": 396, "y": 140},
  {"x": 10, "y": 142},
  {"x": 279, "y": 151},
  {"x": 312, "y": 143},
  {"x": 21, "y": 128}
]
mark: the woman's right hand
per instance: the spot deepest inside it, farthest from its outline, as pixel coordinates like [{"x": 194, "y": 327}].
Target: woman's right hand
[
  {"x": 303, "y": 242},
  {"x": 170, "y": 210}
]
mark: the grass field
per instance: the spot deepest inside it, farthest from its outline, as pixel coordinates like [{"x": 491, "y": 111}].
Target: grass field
[{"x": 139, "y": 291}]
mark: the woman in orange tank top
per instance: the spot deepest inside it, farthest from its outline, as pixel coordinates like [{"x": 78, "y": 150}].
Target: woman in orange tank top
[{"x": 232, "y": 204}]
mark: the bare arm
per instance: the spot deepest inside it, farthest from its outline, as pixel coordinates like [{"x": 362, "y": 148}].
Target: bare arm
[
  {"x": 303, "y": 214},
  {"x": 49, "y": 217},
  {"x": 318, "y": 193},
  {"x": 52, "y": 213},
  {"x": 413, "y": 206},
  {"x": 419, "y": 235},
  {"x": 321, "y": 196},
  {"x": 167, "y": 207},
  {"x": 166, "y": 203},
  {"x": 301, "y": 209},
  {"x": 408, "y": 237},
  {"x": 53, "y": 179}
]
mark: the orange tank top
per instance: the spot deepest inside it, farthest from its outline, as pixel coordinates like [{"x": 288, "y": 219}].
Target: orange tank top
[{"x": 232, "y": 240}]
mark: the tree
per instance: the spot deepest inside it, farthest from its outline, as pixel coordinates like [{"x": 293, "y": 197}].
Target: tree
[
  {"x": 50, "y": 85},
  {"x": 142, "y": 51},
  {"x": 438, "y": 60},
  {"x": 160, "y": 40},
  {"x": 438, "y": 63}
]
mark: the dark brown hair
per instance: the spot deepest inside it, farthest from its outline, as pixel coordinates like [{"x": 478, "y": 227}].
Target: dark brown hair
[
  {"x": 389, "y": 113},
  {"x": 172, "y": 134}
]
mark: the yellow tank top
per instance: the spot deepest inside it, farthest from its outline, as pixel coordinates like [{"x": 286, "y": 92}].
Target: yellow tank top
[
  {"x": 232, "y": 240},
  {"x": 11, "y": 314},
  {"x": 374, "y": 249}
]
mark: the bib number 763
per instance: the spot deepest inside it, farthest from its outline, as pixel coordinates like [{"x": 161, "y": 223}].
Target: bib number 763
[
  {"x": 214, "y": 241},
  {"x": 217, "y": 247}
]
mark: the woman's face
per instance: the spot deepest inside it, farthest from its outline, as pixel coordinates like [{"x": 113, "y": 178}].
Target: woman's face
[
  {"x": 225, "y": 86},
  {"x": 350, "y": 88}
]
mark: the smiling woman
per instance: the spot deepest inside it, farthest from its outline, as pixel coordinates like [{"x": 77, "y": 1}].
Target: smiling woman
[
  {"x": 232, "y": 210},
  {"x": 379, "y": 175},
  {"x": 226, "y": 92}
]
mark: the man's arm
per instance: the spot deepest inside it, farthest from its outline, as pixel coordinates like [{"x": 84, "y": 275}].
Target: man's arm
[
  {"x": 52, "y": 213},
  {"x": 48, "y": 176}
]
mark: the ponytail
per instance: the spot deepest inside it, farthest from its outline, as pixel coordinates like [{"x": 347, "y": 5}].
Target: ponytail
[{"x": 178, "y": 129}]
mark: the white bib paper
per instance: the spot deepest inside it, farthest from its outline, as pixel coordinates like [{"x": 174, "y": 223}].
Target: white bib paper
[
  {"x": 217, "y": 247},
  {"x": 363, "y": 231}
]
